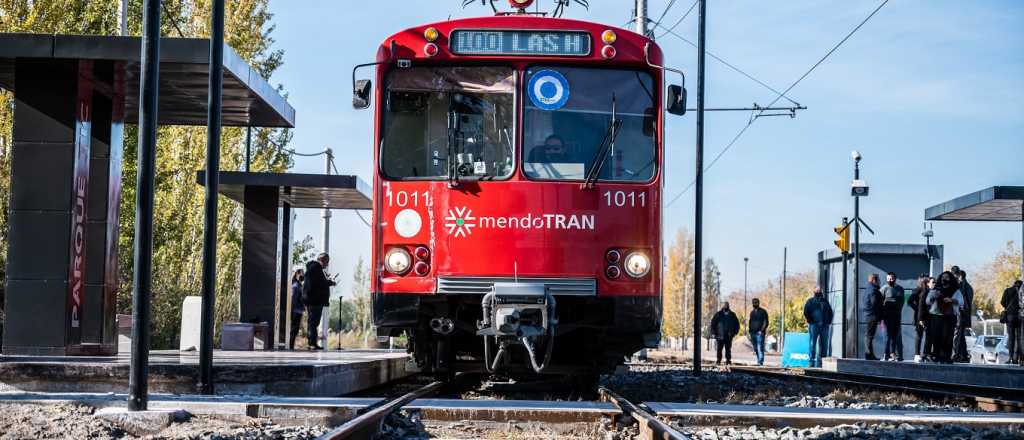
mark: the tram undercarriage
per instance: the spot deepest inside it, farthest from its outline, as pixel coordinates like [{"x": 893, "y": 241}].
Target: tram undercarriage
[{"x": 519, "y": 330}]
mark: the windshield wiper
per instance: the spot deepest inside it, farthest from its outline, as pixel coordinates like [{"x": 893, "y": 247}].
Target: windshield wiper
[
  {"x": 602, "y": 151},
  {"x": 453, "y": 128}
]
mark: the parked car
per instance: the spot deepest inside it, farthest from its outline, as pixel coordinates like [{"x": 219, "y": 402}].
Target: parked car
[{"x": 989, "y": 349}]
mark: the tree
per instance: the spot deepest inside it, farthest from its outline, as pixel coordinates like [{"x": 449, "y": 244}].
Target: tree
[
  {"x": 178, "y": 214},
  {"x": 712, "y": 281},
  {"x": 303, "y": 251},
  {"x": 994, "y": 277},
  {"x": 677, "y": 285},
  {"x": 362, "y": 321}
]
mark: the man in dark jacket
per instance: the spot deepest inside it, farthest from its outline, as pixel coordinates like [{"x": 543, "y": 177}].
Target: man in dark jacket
[
  {"x": 1011, "y": 314},
  {"x": 963, "y": 322},
  {"x": 892, "y": 315},
  {"x": 316, "y": 294},
  {"x": 818, "y": 313},
  {"x": 873, "y": 315},
  {"x": 757, "y": 326},
  {"x": 724, "y": 326}
]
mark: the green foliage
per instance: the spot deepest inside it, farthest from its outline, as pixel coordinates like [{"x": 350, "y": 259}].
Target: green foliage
[
  {"x": 994, "y": 277},
  {"x": 677, "y": 286},
  {"x": 178, "y": 216},
  {"x": 303, "y": 251}
]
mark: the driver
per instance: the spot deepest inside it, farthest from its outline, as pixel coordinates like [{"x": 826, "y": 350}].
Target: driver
[{"x": 553, "y": 151}]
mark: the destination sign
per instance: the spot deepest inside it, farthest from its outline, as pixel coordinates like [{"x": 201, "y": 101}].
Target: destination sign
[{"x": 508, "y": 42}]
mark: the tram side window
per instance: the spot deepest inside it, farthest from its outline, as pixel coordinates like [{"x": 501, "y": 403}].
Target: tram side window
[
  {"x": 566, "y": 119},
  {"x": 432, "y": 114}
]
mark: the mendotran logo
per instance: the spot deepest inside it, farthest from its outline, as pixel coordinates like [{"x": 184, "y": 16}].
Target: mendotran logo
[{"x": 460, "y": 221}]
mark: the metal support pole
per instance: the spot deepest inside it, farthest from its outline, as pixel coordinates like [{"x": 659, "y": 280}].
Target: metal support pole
[
  {"x": 641, "y": 17},
  {"x": 745, "y": 262},
  {"x": 142, "y": 276},
  {"x": 842, "y": 342},
  {"x": 248, "y": 147},
  {"x": 782, "y": 328},
  {"x": 856, "y": 262},
  {"x": 699, "y": 208},
  {"x": 212, "y": 185},
  {"x": 328, "y": 157},
  {"x": 122, "y": 18}
]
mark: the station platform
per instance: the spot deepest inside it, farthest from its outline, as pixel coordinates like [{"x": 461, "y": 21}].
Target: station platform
[
  {"x": 1007, "y": 377},
  {"x": 269, "y": 373}
]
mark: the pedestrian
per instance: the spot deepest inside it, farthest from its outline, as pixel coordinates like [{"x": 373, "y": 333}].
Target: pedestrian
[
  {"x": 916, "y": 301},
  {"x": 873, "y": 316},
  {"x": 892, "y": 315},
  {"x": 963, "y": 323},
  {"x": 944, "y": 304},
  {"x": 1011, "y": 317},
  {"x": 818, "y": 313},
  {"x": 316, "y": 294},
  {"x": 725, "y": 326},
  {"x": 298, "y": 274},
  {"x": 757, "y": 326}
]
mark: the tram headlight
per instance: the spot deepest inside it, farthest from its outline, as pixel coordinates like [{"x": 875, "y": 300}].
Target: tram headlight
[
  {"x": 397, "y": 261},
  {"x": 637, "y": 264},
  {"x": 431, "y": 34}
]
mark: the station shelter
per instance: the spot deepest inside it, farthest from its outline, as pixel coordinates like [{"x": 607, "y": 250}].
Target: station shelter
[
  {"x": 906, "y": 260},
  {"x": 72, "y": 97},
  {"x": 994, "y": 204}
]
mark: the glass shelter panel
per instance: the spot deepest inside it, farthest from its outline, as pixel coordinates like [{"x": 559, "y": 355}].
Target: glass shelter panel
[{"x": 449, "y": 123}]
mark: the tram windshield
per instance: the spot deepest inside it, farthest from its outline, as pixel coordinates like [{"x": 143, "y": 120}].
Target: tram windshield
[
  {"x": 449, "y": 123},
  {"x": 567, "y": 123}
]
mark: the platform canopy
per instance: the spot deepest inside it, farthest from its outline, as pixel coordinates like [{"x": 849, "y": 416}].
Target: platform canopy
[
  {"x": 184, "y": 73},
  {"x": 997, "y": 204},
  {"x": 299, "y": 190}
]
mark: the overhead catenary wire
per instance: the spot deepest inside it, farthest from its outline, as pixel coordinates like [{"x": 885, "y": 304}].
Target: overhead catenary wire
[
  {"x": 674, "y": 25},
  {"x": 358, "y": 214},
  {"x": 664, "y": 12},
  {"x": 780, "y": 96}
]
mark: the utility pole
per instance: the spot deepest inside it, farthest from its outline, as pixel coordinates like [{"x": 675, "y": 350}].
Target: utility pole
[
  {"x": 641, "y": 17},
  {"x": 699, "y": 211},
  {"x": 122, "y": 18},
  {"x": 328, "y": 158},
  {"x": 142, "y": 275},
  {"x": 213, "y": 124},
  {"x": 782, "y": 328}
]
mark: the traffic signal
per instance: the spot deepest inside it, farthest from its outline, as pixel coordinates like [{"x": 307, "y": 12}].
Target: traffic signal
[{"x": 843, "y": 243}]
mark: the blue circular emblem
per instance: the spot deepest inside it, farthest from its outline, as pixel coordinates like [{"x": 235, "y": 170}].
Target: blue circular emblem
[{"x": 548, "y": 90}]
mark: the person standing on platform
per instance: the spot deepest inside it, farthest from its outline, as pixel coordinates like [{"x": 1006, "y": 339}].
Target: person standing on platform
[
  {"x": 873, "y": 316},
  {"x": 944, "y": 304},
  {"x": 1011, "y": 317},
  {"x": 297, "y": 307},
  {"x": 1020, "y": 316},
  {"x": 915, "y": 301},
  {"x": 757, "y": 326},
  {"x": 316, "y": 294},
  {"x": 818, "y": 313},
  {"x": 725, "y": 326},
  {"x": 892, "y": 315},
  {"x": 960, "y": 353}
]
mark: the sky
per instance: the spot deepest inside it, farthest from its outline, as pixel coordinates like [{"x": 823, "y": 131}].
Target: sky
[{"x": 928, "y": 91}]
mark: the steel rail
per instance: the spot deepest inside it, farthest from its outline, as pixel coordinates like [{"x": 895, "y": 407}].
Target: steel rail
[
  {"x": 986, "y": 398},
  {"x": 368, "y": 424},
  {"x": 651, "y": 427}
]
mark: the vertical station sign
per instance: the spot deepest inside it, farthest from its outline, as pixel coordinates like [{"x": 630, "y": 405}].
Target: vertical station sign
[{"x": 79, "y": 202}]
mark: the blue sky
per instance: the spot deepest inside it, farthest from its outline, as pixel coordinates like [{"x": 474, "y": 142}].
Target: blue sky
[{"x": 928, "y": 91}]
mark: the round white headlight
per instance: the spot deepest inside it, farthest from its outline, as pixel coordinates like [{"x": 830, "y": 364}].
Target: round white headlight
[
  {"x": 637, "y": 264},
  {"x": 397, "y": 261}
]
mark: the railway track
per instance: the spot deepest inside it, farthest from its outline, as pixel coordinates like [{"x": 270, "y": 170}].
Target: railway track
[
  {"x": 368, "y": 425},
  {"x": 651, "y": 427},
  {"x": 985, "y": 398}
]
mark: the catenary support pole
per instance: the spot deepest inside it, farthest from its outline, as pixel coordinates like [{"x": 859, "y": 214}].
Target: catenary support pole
[
  {"x": 842, "y": 340},
  {"x": 699, "y": 208},
  {"x": 213, "y": 123},
  {"x": 122, "y": 18},
  {"x": 328, "y": 157},
  {"x": 641, "y": 17},
  {"x": 248, "y": 147},
  {"x": 782, "y": 328},
  {"x": 745, "y": 302},
  {"x": 142, "y": 276}
]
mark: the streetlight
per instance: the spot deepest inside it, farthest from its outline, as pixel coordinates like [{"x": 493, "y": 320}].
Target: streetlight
[{"x": 745, "y": 261}]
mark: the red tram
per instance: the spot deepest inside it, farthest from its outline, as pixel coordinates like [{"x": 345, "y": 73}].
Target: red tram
[{"x": 517, "y": 192}]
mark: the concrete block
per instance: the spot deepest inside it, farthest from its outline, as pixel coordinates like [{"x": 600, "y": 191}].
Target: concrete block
[
  {"x": 142, "y": 423},
  {"x": 191, "y": 318}
]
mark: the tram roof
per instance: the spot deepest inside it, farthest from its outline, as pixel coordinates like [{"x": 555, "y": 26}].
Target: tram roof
[
  {"x": 298, "y": 190},
  {"x": 184, "y": 71},
  {"x": 996, "y": 204}
]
